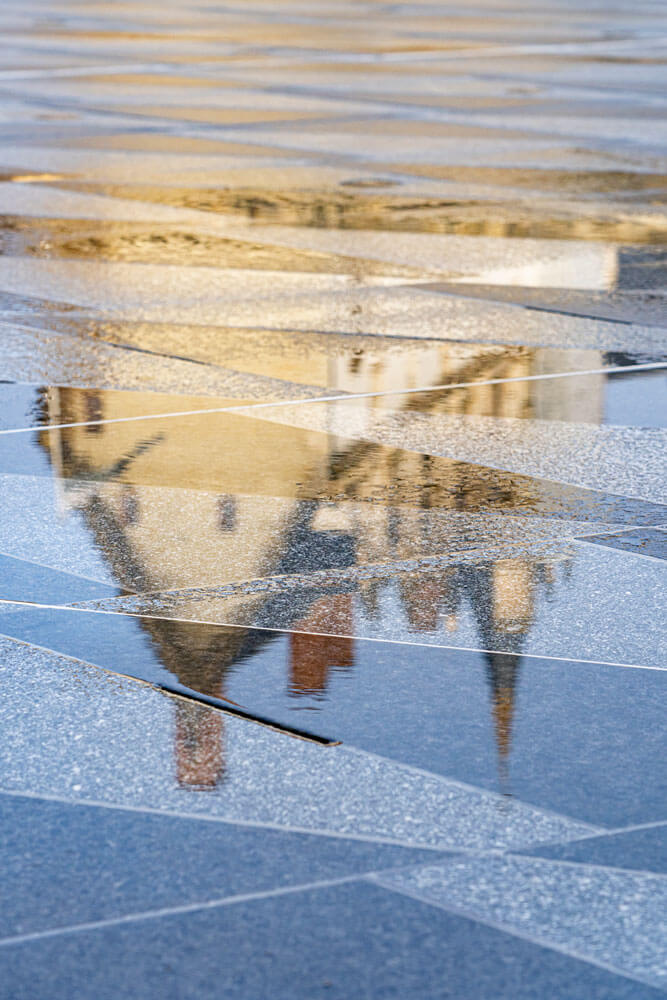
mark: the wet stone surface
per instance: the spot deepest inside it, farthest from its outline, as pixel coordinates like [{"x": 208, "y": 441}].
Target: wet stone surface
[{"x": 333, "y": 371}]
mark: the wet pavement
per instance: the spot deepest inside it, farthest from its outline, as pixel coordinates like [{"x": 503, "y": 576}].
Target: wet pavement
[{"x": 333, "y": 534}]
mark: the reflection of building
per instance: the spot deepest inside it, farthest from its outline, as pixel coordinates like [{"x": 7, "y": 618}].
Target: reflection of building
[
  {"x": 312, "y": 656},
  {"x": 218, "y": 498},
  {"x": 199, "y": 746}
]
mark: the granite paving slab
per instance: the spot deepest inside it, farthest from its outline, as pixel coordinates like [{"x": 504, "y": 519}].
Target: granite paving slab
[
  {"x": 359, "y": 941},
  {"x": 25, "y": 406},
  {"x": 50, "y": 357},
  {"x": 156, "y": 293},
  {"x": 65, "y": 863},
  {"x": 560, "y": 600},
  {"x": 25, "y": 581},
  {"x": 642, "y": 847},
  {"x": 107, "y": 739},
  {"x": 315, "y": 464},
  {"x": 566, "y": 736},
  {"x": 651, "y": 542},
  {"x": 613, "y": 918},
  {"x": 520, "y": 427}
]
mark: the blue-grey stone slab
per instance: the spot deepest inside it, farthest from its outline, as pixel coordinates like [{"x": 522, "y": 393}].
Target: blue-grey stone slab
[
  {"x": 568, "y": 736},
  {"x": 348, "y": 941},
  {"x": 477, "y": 481},
  {"x": 77, "y": 732},
  {"x": 614, "y": 918},
  {"x": 20, "y": 405},
  {"x": 64, "y": 863},
  {"x": 617, "y": 306},
  {"x": 571, "y": 601},
  {"x": 640, "y": 541},
  {"x": 643, "y": 849},
  {"x": 39, "y": 524},
  {"x": 25, "y": 581}
]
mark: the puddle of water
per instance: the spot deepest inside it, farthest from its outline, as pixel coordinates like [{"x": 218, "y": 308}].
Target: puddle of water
[
  {"x": 632, "y": 399},
  {"x": 27, "y": 581},
  {"x": 229, "y": 454},
  {"x": 644, "y": 541},
  {"x": 629, "y": 399},
  {"x": 643, "y": 307},
  {"x": 500, "y": 721},
  {"x": 32, "y": 406},
  {"x": 346, "y": 208},
  {"x": 73, "y": 239},
  {"x": 561, "y": 182}
]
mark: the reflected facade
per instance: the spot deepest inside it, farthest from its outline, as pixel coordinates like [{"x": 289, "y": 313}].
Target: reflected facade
[{"x": 158, "y": 499}]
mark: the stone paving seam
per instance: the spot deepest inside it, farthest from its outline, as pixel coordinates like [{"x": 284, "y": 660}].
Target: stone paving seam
[
  {"x": 625, "y": 552},
  {"x": 209, "y": 904},
  {"x": 523, "y": 812},
  {"x": 465, "y": 786},
  {"x": 332, "y": 635},
  {"x": 340, "y": 397},
  {"x": 614, "y": 869},
  {"x": 222, "y": 705},
  {"x": 634, "y": 828},
  {"x": 345, "y": 748},
  {"x": 35, "y": 562},
  {"x": 284, "y": 583},
  {"x": 260, "y": 379},
  {"x": 513, "y": 932},
  {"x": 249, "y": 824}
]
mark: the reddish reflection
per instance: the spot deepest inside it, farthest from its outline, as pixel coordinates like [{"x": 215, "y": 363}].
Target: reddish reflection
[{"x": 199, "y": 745}]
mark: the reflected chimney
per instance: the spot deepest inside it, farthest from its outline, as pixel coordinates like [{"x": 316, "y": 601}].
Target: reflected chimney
[
  {"x": 312, "y": 655},
  {"x": 199, "y": 746}
]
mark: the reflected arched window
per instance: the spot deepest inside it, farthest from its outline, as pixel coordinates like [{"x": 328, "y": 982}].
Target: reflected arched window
[
  {"x": 226, "y": 513},
  {"x": 93, "y": 411}
]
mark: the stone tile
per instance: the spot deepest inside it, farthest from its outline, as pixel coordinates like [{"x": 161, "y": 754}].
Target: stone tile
[
  {"x": 167, "y": 292},
  {"x": 100, "y": 738},
  {"x": 612, "y": 918},
  {"x": 579, "y": 602},
  {"x": 147, "y": 535},
  {"x": 650, "y": 542},
  {"x": 566, "y": 736},
  {"x": 317, "y": 464},
  {"x": 48, "y": 357},
  {"x": 360, "y": 941},
  {"x": 24, "y": 405},
  {"x": 644, "y": 849},
  {"x": 38, "y": 528},
  {"x": 339, "y": 304},
  {"x": 64, "y": 863},
  {"x": 631, "y": 300},
  {"x": 531, "y": 428},
  {"x": 28, "y": 581},
  {"x": 356, "y": 363}
]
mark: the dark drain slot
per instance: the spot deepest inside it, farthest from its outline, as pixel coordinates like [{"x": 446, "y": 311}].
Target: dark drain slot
[{"x": 204, "y": 699}]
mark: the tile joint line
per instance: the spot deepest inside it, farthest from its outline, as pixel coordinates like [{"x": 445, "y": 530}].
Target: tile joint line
[{"x": 342, "y": 397}]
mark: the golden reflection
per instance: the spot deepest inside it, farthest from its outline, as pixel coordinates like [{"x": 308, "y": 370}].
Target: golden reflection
[
  {"x": 156, "y": 243},
  {"x": 250, "y": 499},
  {"x": 346, "y": 208}
]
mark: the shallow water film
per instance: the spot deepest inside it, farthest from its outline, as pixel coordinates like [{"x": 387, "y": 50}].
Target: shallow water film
[{"x": 333, "y": 520}]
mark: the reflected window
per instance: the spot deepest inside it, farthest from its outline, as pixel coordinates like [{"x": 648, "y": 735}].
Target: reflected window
[
  {"x": 129, "y": 507},
  {"x": 226, "y": 513},
  {"x": 93, "y": 411}
]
